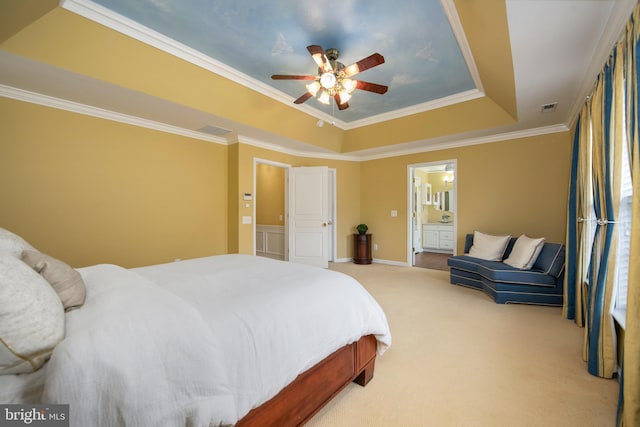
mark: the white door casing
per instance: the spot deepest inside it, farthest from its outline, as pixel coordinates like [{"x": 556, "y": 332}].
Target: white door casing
[
  {"x": 417, "y": 215},
  {"x": 309, "y": 215}
]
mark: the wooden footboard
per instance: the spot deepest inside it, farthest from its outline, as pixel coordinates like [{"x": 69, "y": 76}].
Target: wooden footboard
[{"x": 313, "y": 389}]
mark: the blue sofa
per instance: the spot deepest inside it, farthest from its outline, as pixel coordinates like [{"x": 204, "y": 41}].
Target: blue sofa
[{"x": 543, "y": 284}]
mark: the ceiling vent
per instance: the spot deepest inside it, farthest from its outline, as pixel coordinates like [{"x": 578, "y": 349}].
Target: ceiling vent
[
  {"x": 549, "y": 108},
  {"x": 213, "y": 130}
]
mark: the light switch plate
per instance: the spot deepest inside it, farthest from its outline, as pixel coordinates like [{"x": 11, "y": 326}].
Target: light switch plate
[{"x": 246, "y": 219}]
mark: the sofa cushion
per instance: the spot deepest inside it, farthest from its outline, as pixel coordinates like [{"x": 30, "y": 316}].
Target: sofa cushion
[
  {"x": 551, "y": 259},
  {"x": 464, "y": 262},
  {"x": 525, "y": 252},
  {"x": 496, "y": 271},
  {"x": 487, "y": 246}
]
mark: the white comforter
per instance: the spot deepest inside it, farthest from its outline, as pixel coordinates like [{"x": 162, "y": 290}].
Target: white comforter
[{"x": 201, "y": 342}]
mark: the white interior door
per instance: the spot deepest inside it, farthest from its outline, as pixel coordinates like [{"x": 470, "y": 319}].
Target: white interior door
[{"x": 309, "y": 215}]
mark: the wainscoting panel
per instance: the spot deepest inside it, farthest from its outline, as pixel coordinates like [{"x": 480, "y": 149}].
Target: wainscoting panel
[{"x": 270, "y": 241}]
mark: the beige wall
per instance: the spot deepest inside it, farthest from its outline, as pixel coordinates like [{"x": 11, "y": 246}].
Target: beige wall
[
  {"x": 269, "y": 194},
  {"x": 516, "y": 186},
  {"x": 90, "y": 191}
]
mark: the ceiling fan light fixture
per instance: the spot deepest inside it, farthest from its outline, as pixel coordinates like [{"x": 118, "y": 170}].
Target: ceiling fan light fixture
[
  {"x": 324, "y": 97},
  {"x": 328, "y": 80},
  {"x": 334, "y": 79},
  {"x": 349, "y": 85},
  {"x": 313, "y": 88},
  {"x": 344, "y": 96}
]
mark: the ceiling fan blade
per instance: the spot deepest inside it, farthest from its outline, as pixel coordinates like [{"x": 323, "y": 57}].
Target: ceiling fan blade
[
  {"x": 371, "y": 87},
  {"x": 364, "y": 64},
  {"x": 318, "y": 55},
  {"x": 342, "y": 106},
  {"x": 292, "y": 77},
  {"x": 303, "y": 98}
]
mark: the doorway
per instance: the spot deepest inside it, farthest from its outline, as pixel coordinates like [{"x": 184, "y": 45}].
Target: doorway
[
  {"x": 432, "y": 219},
  {"x": 271, "y": 210}
]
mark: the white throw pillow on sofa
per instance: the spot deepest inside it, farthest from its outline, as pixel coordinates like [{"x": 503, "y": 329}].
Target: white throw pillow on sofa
[
  {"x": 31, "y": 317},
  {"x": 525, "y": 252},
  {"x": 487, "y": 246},
  {"x": 12, "y": 243}
]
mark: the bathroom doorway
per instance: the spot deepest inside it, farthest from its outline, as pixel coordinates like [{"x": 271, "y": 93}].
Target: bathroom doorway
[{"x": 432, "y": 222}]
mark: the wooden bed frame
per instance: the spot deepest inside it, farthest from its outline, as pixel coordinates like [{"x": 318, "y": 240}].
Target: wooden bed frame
[{"x": 311, "y": 390}]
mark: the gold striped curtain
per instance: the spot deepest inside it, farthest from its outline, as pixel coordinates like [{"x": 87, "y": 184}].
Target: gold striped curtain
[
  {"x": 630, "y": 398},
  {"x": 608, "y": 119},
  {"x": 584, "y": 210},
  {"x": 599, "y": 345}
]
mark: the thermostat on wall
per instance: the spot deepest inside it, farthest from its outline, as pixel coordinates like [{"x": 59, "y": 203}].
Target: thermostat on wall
[{"x": 247, "y": 196}]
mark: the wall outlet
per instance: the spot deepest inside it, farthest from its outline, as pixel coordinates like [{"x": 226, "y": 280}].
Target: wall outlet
[
  {"x": 375, "y": 246},
  {"x": 394, "y": 213}
]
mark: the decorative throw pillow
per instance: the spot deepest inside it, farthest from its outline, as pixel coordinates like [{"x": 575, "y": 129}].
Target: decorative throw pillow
[
  {"x": 31, "y": 317},
  {"x": 65, "y": 280},
  {"x": 12, "y": 243},
  {"x": 487, "y": 246},
  {"x": 525, "y": 252}
]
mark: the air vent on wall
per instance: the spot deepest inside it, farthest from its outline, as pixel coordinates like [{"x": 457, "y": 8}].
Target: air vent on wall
[
  {"x": 213, "y": 130},
  {"x": 548, "y": 108}
]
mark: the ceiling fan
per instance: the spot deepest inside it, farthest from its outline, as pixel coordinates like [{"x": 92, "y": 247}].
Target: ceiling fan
[{"x": 334, "y": 79}]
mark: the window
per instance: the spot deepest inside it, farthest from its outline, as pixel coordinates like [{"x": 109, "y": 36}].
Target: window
[{"x": 624, "y": 240}]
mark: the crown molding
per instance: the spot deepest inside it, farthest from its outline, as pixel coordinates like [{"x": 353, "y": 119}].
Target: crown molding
[
  {"x": 420, "y": 108},
  {"x": 417, "y": 147},
  {"x": 293, "y": 152},
  {"x": 87, "y": 110},
  {"x": 364, "y": 155},
  {"x": 458, "y": 31}
]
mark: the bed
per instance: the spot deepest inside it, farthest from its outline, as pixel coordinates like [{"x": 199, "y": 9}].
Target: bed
[{"x": 215, "y": 341}]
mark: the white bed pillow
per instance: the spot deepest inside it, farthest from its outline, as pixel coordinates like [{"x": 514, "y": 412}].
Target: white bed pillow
[
  {"x": 65, "y": 280},
  {"x": 525, "y": 252},
  {"x": 31, "y": 317},
  {"x": 12, "y": 243},
  {"x": 487, "y": 246}
]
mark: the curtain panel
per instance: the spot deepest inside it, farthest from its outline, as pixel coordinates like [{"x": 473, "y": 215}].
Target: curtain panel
[
  {"x": 629, "y": 407},
  {"x": 607, "y": 130}
]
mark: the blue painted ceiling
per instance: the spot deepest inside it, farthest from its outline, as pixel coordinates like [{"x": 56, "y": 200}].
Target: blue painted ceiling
[{"x": 423, "y": 60}]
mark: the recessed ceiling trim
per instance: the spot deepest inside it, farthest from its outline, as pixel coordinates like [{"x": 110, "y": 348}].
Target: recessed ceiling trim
[
  {"x": 87, "y": 110},
  {"x": 454, "y": 20},
  {"x": 426, "y": 146},
  {"x": 128, "y": 27},
  {"x": 315, "y": 155},
  {"x": 420, "y": 108}
]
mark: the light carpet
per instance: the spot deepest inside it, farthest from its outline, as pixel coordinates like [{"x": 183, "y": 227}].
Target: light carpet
[{"x": 459, "y": 359}]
